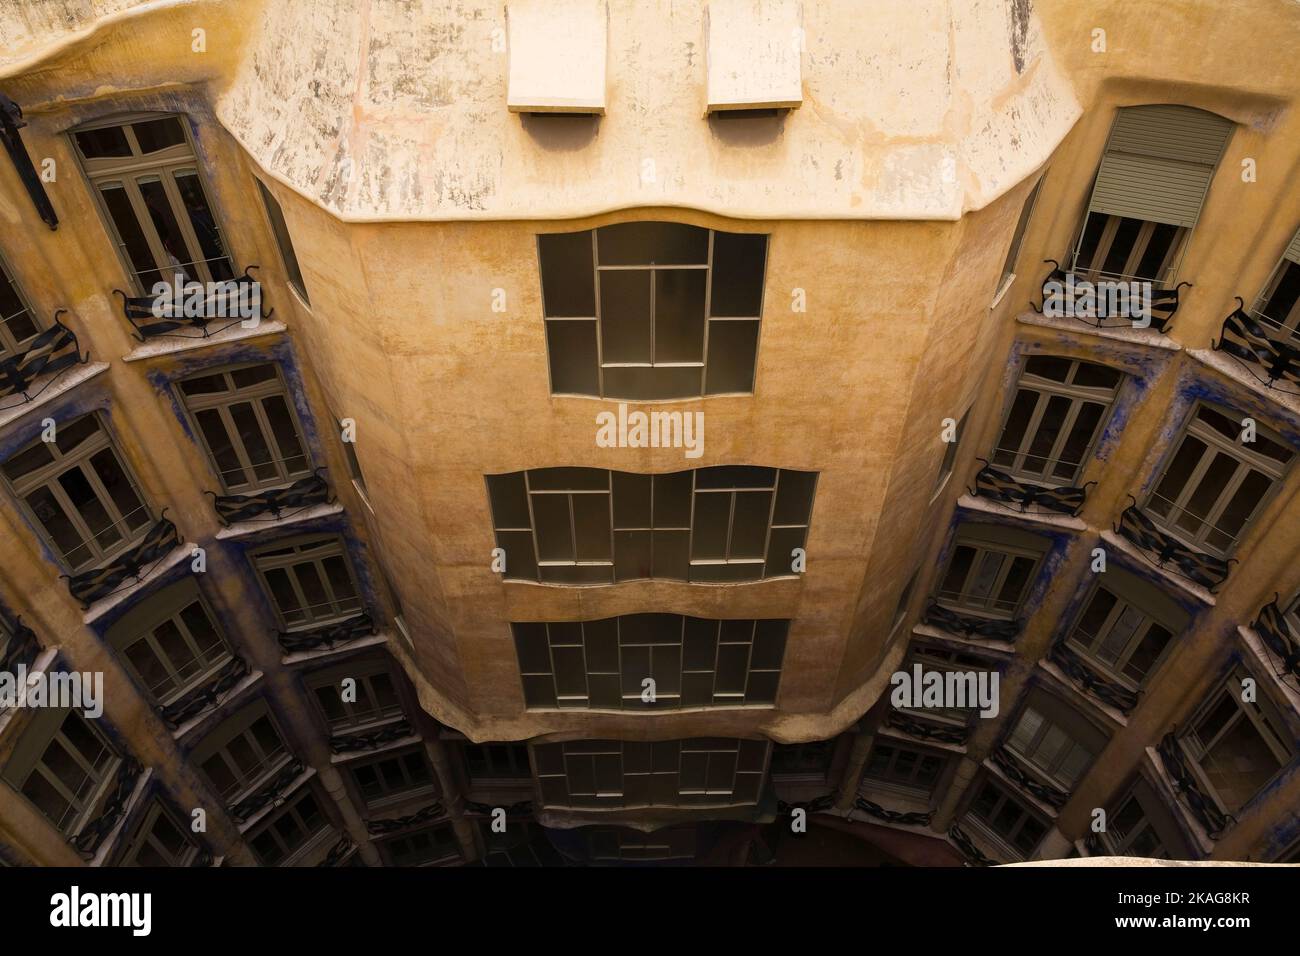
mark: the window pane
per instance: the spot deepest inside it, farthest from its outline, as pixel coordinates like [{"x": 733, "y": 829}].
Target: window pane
[
  {"x": 82, "y": 496},
  {"x": 738, "y": 264},
  {"x": 130, "y": 235},
  {"x": 222, "y": 448},
  {"x": 204, "y": 224},
  {"x": 732, "y": 349},
  {"x": 625, "y": 316},
  {"x": 153, "y": 135},
  {"x": 1162, "y": 239},
  {"x": 1177, "y": 475},
  {"x": 58, "y": 526},
  {"x": 1121, "y": 245},
  {"x": 591, "y": 525},
  {"x": 554, "y": 533},
  {"x": 1239, "y": 764},
  {"x": 255, "y": 444},
  {"x": 109, "y": 142},
  {"x": 574, "y": 361},
  {"x": 115, "y": 482},
  {"x": 679, "y": 315},
  {"x": 283, "y": 240},
  {"x": 509, "y": 500},
  {"x": 286, "y": 435},
  {"x": 652, "y": 243},
  {"x": 568, "y": 287},
  {"x": 164, "y": 221}
]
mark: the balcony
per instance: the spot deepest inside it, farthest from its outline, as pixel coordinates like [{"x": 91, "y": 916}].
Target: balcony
[
  {"x": 924, "y": 729},
  {"x": 88, "y": 841},
  {"x": 1280, "y": 638},
  {"x": 971, "y": 626},
  {"x": 1107, "y": 691},
  {"x": 131, "y": 565},
  {"x": 328, "y": 636},
  {"x": 221, "y": 306},
  {"x": 1266, "y": 351},
  {"x": 1000, "y": 486},
  {"x": 1206, "y": 570},
  {"x": 270, "y": 792},
  {"x": 203, "y": 698},
  {"x": 371, "y": 739},
  {"x": 1189, "y": 790},
  {"x": 1065, "y": 294},
  {"x": 21, "y": 649},
  {"x": 433, "y": 811},
  {"x": 1010, "y": 767},
  {"x": 278, "y": 502},
  {"x": 52, "y": 352},
  {"x": 906, "y": 818}
]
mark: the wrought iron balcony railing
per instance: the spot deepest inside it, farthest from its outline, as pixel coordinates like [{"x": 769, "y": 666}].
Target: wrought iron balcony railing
[
  {"x": 131, "y": 565},
  {"x": 279, "y": 502},
  {"x": 926, "y": 729},
  {"x": 269, "y": 792},
  {"x": 21, "y": 648},
  {"x": 433, "y": 811},
  {"x": 1189, "y": 790},
  {"x": 151, "y": 318},
  {"x": 1000, "y": 486},
  {"x": 971, "y": 626},
  {"x": 968, "y": 849},
  {"x": 911, "y": 818},
  {"x": 1260, "y": 348},
  {"x": 331, "y": 635},
  {"x": 1006, "y": 762},
  {"x": 371, "y": 739},
  {"x": 337, "y": 852},
  {"x": 1107, "y": 691},
  {"x": 89, "y": 839},
  {"x": 1206, "y": 570},
  {"x": 204, "y": 698},
  {"x": 52, "y": 352},
  {"x": 1281, "y": 639},
  {"x": 1065, "y": 294}
]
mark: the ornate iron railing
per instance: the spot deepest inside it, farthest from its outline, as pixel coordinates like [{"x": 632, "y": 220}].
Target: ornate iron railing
[
  {"x": 912, "y": 818},
  {"x": 269, "y": 792},
  {"x": 338, "y": 851},
  {"x": 1189, "y": 789},
  {"x": 11, "y": 121},
  {"x": 1164, "y": 302},
  {"x": 21, "y": 649},
  {"x": 433, "y": 811},
  {"x": 1107, "y": 691},
  {"x": 371, "y": 739},
  {"x": 816, "y": 805},
  {"x": 524, "y": 808},
  {"x": 968, "y": 848},
  {"x": 299, "y": 496},
  {"x": 53, "y": 351},
  {"x": 1278, "y": 636},
  {"x": 329, "y": 636},
  {"x": 971, "y": 626},
  {"x": 1247, "y": 339},
  {"x": 1000, "y": 486},
  {"x": 1053, "y": 796},
  {"x": 89, "y": 839},
  {"x": 131, "y": 565},
  {"x": 1203, "y": 569},
  {"x": 149, "y": 319},
  {"x": 925, "y": 729},
  {"x": 204, "y": 698}
]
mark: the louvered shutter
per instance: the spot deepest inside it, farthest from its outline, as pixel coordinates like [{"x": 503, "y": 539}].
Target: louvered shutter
[
  {"x": 1158, "y": 164},
  {"x": 1293, "y": 250}
]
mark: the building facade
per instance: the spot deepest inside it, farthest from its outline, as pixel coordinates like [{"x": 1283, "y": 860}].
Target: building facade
[{"x": 620, "y": 395}]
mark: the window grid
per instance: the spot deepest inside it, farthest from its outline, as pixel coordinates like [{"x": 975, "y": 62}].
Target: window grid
[
  {"x": 1130, "y": 832},
  {"x": 1278, "y": 305},
  {"x": 1119, "y": 248},
  {"x": 1048, "y": 747},
  {"x": 160, "y": 841},
  {"x": 588, "y": 550},
  {"x": 75, "y": 768},
  {"x": 1006, "y": 819},
  {"x": 945, "y": 661},
  {"x": 81, "y": 493},
  {"x": 376, "y": 699},
  {"x": 1119, "y": 638},
  {"x": 1214, "y": 485},
  {"x": 602, "y": 774},
  {"x": 907, "y": 769},
  {"x": 694, "y": 662},
  {"x": 310, "y": 583},
  {"x": 990, "y": 579},
  {"x": 146, "y": 180},
  {"x": 283, "y": 240},
  {"x": 392, "y": 775},
  {"x": 427, "y": 847},
  {"x": 243, "y": 754},
  {"x": 1055, "y": 420},
  {"x": 497, "y": 761},
  {"x": 177, "y": 653},
  {"x": 18, "y": 323},
  {"x": 247, "y": 425},
  {"x": 290, "y": 830}
]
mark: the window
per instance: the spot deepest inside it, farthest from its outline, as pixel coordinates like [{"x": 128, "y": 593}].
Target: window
[
  {"x": 393, "y": 775},
  {"x": 991, "y": 570},
  {"x": 80, "y": 492},
  {"x": 1215, "y": 483},
  {"x": 354, "y": 463},
  {"x": 282, "y": 239},
  {"x": 1148, "y": 193},
  {"x": 600, "y": 774},
  {"x": 145, "y": 174},
  {"x": 950, "y": 453},
  {"x": 170, "y": 643},
  {"x": 1126, "y": 626},
  {"x": 812, "y": 759},
  {"x": 1018, "y": 237},
  {"x": 65, "y": 766},
  {"x": 289, "y": 831},
  {"x": 1278, "y": 304},
  {"x": 1059, "y": 410},
  {"x": 160, "y": 841},
  {"x": 522, "y": 844},
  {"x": 1236, "y": 747},
  {"x": 431, "y": 845},
  {"x": 310, "y": 582},
  {"x": 623, "y": 845},
  {"x": 999, "y": 814},
  {"x": 590, "y": 526},
  {"x": 18, "y": 324},
  {"x": 375, "y": 695},
  {"x": 503, "y": 761},
  {"x": 693, "y": 662},
  {"x": 904, "y": 769},
  {"x": 1054, "y": 740},
  {"x": 248, "y": 427},
  {"x": 904, "y": 600},
  {"x": 242, "y": 753},
  {"x": 1140, "y": 825},
  {"x": 943, "y": 660},
  {"x": 652, "y": 310}
]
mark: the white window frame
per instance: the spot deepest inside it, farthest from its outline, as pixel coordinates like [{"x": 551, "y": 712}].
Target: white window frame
[{"x": 314, "y": 550}]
